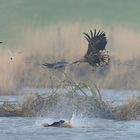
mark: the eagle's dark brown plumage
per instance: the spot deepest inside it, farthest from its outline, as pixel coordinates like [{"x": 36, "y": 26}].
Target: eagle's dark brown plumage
[{"x": 96, "y": 54}]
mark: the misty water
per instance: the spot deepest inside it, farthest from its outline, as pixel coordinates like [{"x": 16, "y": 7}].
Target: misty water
[{"x": 28, "y": 128}]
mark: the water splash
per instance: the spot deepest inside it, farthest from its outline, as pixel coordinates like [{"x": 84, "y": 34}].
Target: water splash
[
  {"x": 40, "y": 121},
  {"x": 82, "y": 121},
  {"x": 77, "y": 121}
]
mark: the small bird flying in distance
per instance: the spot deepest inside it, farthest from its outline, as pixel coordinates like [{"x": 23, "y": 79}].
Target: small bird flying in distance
[{"x": 11, "y": 54}]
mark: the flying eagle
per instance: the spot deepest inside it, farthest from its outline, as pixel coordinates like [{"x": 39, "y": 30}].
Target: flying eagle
[{"x": 96, "y": 54}]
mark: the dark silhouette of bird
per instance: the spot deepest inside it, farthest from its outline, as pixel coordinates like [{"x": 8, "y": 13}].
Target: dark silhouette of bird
[
  {"x": 56, "y": 65},
  {"x": 96, "y": 54}
]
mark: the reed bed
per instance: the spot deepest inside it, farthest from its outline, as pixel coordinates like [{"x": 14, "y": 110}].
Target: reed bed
[
  {"x": 73, "y": 99},
  {"x": 10, "y": 109},
  {"x": 130, "y": 110},
  {"x": 64, "y": 104},
  {"x": 66, "y": 41}
]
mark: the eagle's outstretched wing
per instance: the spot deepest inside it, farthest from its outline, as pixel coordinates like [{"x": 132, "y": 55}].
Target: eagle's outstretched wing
[{"x": 96, "y": 42}]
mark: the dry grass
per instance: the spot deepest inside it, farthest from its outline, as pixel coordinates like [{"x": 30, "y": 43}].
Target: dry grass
[
  {"x": 65, "y": 41},
  {"x": 64, "y": 104},
  {"x": 10, "y": 73},
  {"x": 61, "y": 104},
  {"x": 129, "y": 110},
  {"x": 10, "y": 109}
]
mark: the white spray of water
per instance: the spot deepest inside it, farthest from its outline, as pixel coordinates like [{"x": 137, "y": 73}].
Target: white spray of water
[
  {"x": 40, "y": 121},
  {"x": 82, "y": 121}
]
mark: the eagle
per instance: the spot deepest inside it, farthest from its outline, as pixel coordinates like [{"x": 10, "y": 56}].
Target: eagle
[{"x": 96, "y": 54}]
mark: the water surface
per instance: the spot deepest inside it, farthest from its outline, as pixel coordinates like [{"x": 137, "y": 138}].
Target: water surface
[
  {"x": 30, "y": 128},
  {"x": 17, "y": 128}
]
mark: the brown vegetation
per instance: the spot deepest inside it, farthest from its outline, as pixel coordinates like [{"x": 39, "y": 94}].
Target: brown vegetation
[
  {"x": 129, "y": 110},
  {"x": 64, "y": 105},
  {"x": 61, "y": 104},
  {"x": 66, "y": 41}
]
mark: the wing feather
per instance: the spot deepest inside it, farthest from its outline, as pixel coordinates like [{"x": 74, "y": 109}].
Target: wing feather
[
  {"x": 96, "y": 42},
  {"x": 94, "y": 32}
]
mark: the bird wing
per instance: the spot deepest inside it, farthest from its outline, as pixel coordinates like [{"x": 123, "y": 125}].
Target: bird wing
[{"x": 96, "y": 42}]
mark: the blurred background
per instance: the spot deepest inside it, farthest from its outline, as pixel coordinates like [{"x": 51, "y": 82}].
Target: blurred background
[{"x": 38, "y": 31}]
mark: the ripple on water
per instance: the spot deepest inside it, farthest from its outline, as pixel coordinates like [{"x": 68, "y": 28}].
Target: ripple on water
[{"x": 18, "y": 128}]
